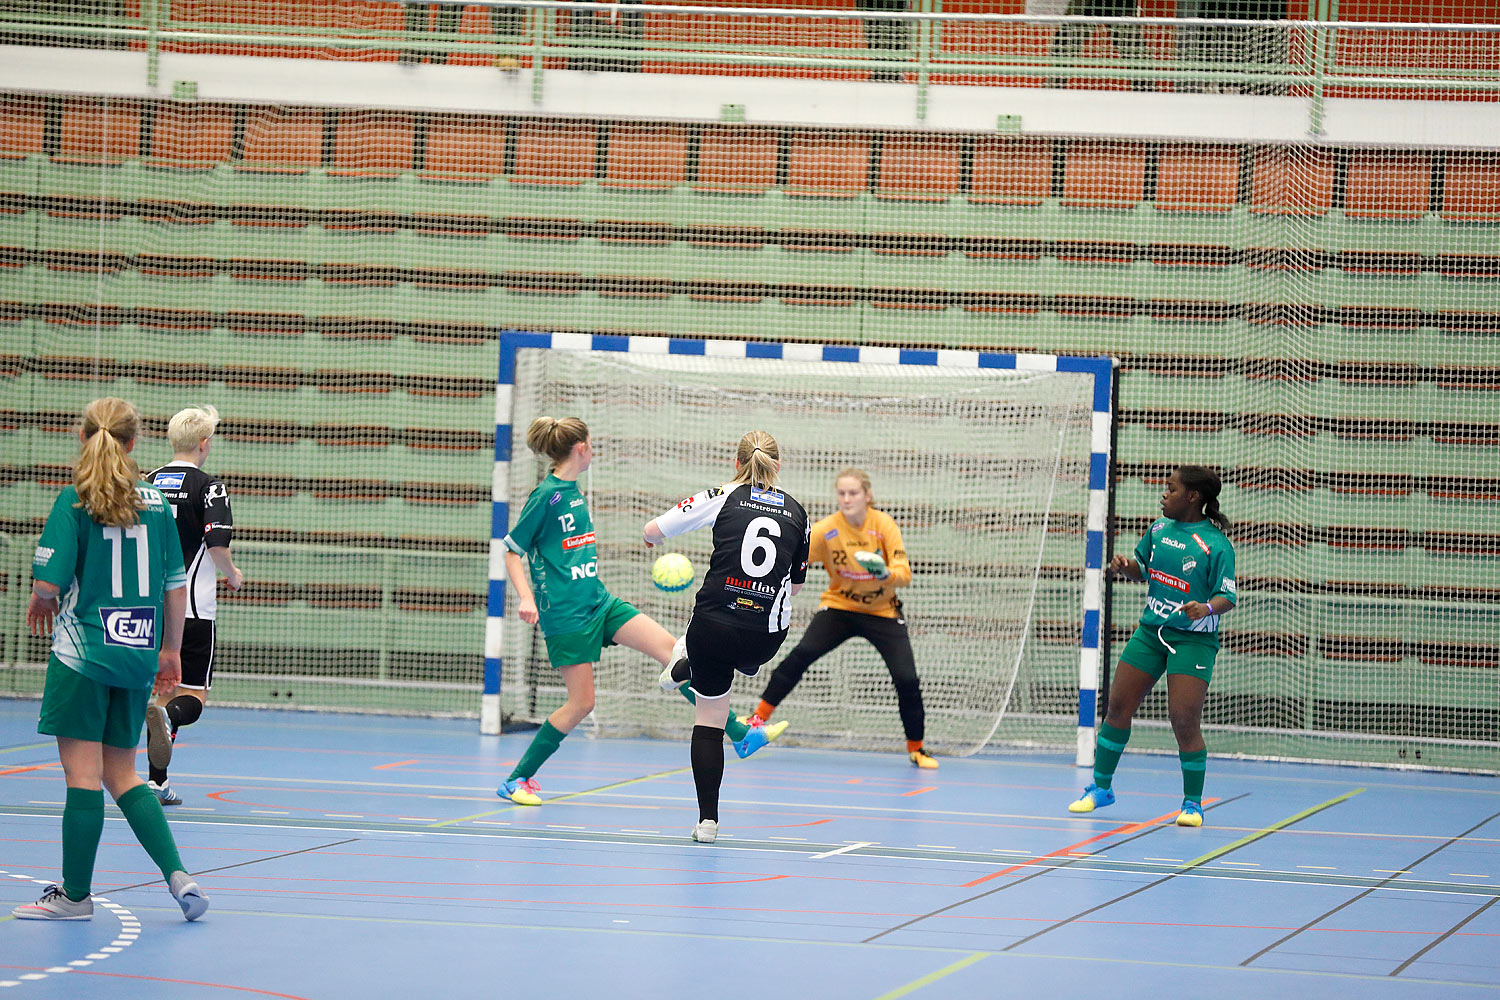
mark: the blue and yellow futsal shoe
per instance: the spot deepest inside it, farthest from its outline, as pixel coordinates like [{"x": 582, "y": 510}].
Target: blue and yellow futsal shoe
[
  {"x": 756, "y": 738},
  {"x": 1192, "y": 813},
  {"x": 521, "y": 791},
  {"x": 773, "y": 729},
  {"x": 1093, "y": 798}
]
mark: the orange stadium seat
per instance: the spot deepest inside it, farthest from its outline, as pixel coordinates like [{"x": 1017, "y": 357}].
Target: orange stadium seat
[
  {"x": 1384, "y": 185},
  {"x": 21, "y": 125},
  {"x": 919, "y": 168},
  {"x": 555, "y": 152},
  {"x": 646, "y": 157},
  {"x": 464, "y": 149},
  {"x": 1291, "y": 180},
  {"x": 828, "y": 164},
  {"x": 99, "y": 131},
  {"x": 1104, "y": 174},
  {"x": 191, "y": 136},
  {"x": 282, "y": 140},
  {"x": 1011, "y": 171},
  {"x": 373, "y": 144},
  {"x": 736, "y": 160},
  {"x": 1192, "y": 177},
  {"x": 1471, "y": 188}
]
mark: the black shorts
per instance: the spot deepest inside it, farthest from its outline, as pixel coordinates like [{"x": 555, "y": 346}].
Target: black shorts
[
  {"x": 717, "y": 651},
  {"x": 198, "y": 654}
]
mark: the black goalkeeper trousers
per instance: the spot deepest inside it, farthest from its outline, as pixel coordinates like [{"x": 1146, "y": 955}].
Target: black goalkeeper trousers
[{"x": 828, "y": 630}]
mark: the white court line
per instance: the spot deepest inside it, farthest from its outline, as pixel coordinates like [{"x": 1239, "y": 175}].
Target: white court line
[
  {"x": 842, "y": 850},
  {"x": 130, "y": 929}
]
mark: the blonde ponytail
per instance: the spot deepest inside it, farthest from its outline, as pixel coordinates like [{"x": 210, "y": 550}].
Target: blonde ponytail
[
  {"x": 555, "y": 438},
  {"x": 759, "y": 460},
  {"x": 105, "y": 475}
]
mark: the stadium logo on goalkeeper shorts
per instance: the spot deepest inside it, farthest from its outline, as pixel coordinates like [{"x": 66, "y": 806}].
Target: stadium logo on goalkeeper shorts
[{"x": 134, "y": 627}]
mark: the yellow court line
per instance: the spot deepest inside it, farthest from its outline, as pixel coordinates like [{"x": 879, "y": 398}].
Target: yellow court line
[
  {"x": 932, "y": 977},
  {"x": 31, "y": 746},
  {"x": 1267, "y": 831},
  {"x": 562, "y": 798}
]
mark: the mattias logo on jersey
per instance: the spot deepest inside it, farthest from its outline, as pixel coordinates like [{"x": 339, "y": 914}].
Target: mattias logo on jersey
[
  {"x": 749, "y": 586},
  {"x": 133, "y": 627}
]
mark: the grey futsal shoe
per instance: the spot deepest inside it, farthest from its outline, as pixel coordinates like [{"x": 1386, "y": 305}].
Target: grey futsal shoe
[
  {"x": 158, "y": 737},
  {"x": 55, "y": 905},
  {"x": 193, "y": 900}
]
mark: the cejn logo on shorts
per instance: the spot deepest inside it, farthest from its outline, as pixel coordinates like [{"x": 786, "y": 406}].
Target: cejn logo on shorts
[{"x": 133, "y": 627}]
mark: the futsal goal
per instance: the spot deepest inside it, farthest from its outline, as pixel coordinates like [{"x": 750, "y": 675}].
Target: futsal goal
[{"x": 995, "y": 466}]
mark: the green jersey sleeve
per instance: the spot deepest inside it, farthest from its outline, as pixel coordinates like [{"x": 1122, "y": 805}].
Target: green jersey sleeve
[
  {"x": 522, "y": 537},
  {"x": 56, "y": 558},
  {"x": 1223, "y": 582}
]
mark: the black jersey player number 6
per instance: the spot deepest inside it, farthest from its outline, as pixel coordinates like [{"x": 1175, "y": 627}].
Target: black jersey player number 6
[{"x": 757, "y": 552}]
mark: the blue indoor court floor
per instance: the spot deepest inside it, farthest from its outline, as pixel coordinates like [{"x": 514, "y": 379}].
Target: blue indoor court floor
[{"x": 368, "y": 857}]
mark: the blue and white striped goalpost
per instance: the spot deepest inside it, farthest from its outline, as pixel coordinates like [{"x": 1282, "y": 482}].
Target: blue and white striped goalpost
[{"x": 1101, "y": 370}]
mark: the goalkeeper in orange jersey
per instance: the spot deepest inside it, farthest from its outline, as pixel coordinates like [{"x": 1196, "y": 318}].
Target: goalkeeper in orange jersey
[{"x": 862, "y": 550}]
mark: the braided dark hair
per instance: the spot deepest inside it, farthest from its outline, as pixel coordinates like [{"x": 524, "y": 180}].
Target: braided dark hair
[{"x": 1205, "y": 482}]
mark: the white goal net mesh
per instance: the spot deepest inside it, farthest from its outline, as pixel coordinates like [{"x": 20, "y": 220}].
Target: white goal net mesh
[{"x": 986, "y": 473}]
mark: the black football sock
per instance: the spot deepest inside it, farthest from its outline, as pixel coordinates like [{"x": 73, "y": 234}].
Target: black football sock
[{"x": 708, "y": 769}]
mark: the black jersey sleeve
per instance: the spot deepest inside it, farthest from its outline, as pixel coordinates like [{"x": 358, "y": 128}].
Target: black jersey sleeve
[{"x": 218, "y": 519}]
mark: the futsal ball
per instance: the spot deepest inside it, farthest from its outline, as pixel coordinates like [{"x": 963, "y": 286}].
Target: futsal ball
[{"x": 672, "y": 572}]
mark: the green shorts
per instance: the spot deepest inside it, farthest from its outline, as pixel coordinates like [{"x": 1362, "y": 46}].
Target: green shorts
[
  {"x": 1173, "y": 651},
  {"x": 584, "y": 646},
  {"x": 81, "y": 708}
]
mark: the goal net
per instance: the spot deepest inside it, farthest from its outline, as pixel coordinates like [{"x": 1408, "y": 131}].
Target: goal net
[{"x": 985, "y": 470}]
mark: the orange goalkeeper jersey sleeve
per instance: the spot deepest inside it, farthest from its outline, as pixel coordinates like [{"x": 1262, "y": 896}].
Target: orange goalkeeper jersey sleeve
[{"x": 850, "y": 587}]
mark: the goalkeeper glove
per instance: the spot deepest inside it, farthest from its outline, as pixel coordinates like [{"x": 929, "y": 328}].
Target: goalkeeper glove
[{"x": 872, "y": 564}]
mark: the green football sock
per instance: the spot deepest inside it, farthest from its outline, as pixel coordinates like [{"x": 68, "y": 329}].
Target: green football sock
[
  {"x": 543, "y": 745},
  {"x": 83, "y": 824},
  {"x": 733, "y": 727},
  {"x": 1194, "y": 769},
  {"x": 143, "y": 813},
  {"x": 1107, "y": 749}
]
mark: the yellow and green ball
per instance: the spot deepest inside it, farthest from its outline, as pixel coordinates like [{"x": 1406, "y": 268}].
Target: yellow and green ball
[{"x": 672, "y": 572}]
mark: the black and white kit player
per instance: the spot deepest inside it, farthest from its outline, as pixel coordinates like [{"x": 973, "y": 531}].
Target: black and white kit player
[
  {"x": 205, "y": 525},
  {"x": 743, "y": 608}
]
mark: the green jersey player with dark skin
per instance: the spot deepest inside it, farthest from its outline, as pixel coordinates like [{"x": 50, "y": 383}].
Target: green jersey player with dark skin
[
  {"x": 552, "y": 561},
  {"x": 1188, "y": 565}
]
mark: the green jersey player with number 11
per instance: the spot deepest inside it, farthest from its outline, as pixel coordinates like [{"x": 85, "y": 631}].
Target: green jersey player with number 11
[
  {"x": 108, "y": 575},
  {"x": 1189, "y": 567}
]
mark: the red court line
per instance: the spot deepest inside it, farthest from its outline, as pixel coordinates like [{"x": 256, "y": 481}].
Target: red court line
[
  {"x": 387, "y": 767},
  {"x": 1117, "y": 831},
  {"x": 164, "y": 979},
  {"x": 919, "y": 791},
  {"x": 32, "y": 767}
]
